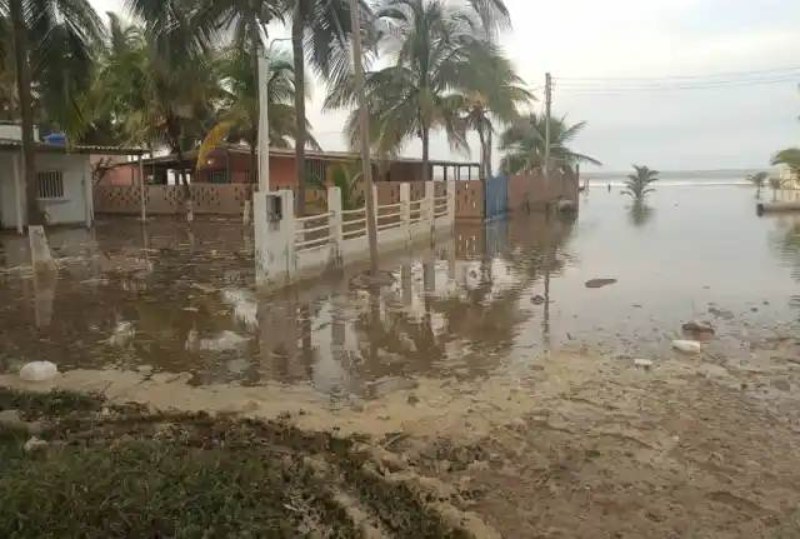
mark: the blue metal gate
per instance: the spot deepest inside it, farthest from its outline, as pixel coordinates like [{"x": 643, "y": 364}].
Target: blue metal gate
[{"x": 496, "y": 197}]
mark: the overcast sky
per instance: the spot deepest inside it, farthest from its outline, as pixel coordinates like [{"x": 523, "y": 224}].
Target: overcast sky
[{"x": 719, "y": 127}]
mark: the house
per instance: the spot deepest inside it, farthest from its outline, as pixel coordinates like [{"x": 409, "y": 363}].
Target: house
[
  {"x": 63, "y": 175},
  {"x": 232, "y": 164}
]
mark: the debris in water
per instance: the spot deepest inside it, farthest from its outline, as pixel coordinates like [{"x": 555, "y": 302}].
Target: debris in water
[
  {"x": 698, "y": 330},
  {"x": 687, "y": 347},
  {"x": 245, "y": 308},
  {"x": 225, "y": 341},
  {"x": 38, "y": 371},
  {"x": 122, "y": 335},
  {"x": 538, "y": 299},
  {"x": 643, "y": 363},
  {"x": 599, "y": 283}
]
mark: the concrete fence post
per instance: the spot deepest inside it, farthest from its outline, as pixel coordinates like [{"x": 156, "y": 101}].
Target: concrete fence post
[
  {"x": 405, "y": 211},
  {"x": 276, "y": 261},
  {"x": 336, "y": 224},
  {"x": 451, "y": 203},
  {"x": 430, "y": 201}
]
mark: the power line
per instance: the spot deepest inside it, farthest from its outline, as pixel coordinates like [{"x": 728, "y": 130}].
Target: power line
[
  {"x": 711, "y": 85},
  {"x": 667, "y": 78}
]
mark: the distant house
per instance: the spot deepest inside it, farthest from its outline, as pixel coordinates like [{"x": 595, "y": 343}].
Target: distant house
[
  {"x": 63, "y": 176},
  {"x": 232, "y": 164}
]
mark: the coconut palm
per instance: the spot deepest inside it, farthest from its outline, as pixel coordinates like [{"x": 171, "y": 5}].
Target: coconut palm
[
  {"x": 638, "y": 185},
  {"x": 53, "y": 47},
  {"x": 181, "y": 86},
  {"x": 347, "y": 177},
  {"x": 494, "y": 93},
  {"x": 758, "y": 179},
  {"x": 238, "y": 116},
  {"x": 422, "y": 89},
  {"x": 320, "y": 32},
  {"x": 120, "y": 89},
  {"x": 789, "y": 157},
  {"x": 524, "y": 145}
]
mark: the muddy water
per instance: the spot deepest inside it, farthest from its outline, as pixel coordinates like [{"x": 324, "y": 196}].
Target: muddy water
[{"x": 489, "y": 300}]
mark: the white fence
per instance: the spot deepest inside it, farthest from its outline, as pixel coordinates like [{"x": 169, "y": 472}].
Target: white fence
[{"x": 289, "y": 249}]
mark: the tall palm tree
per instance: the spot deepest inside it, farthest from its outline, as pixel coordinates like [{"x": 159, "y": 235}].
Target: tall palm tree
[
  {"x": 758, "y": 179},
  {"x": 182, "y": 88},
  {"x": 493, "y": 93},
  {"x": 53, "y": 44},
  {"x": 637, "y": 185},
  {"x": 789, "y": 157},
  {"x": 324, "y": 26},
  {"x": 238, "y": 116},
  {"x": 433, "y": 44},
  {"x": 524, "y": 145},
  {"x": 120, "y": 91}
]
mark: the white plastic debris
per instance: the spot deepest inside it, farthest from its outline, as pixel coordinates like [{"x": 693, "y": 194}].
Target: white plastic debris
[
  {"x": 687, "y": 347},
  {"x": 643, "y": 363},
  {"x": 33, "y": 444},
  {"x": 124, "y": 333},
  {"x": 38, "y": 371}
]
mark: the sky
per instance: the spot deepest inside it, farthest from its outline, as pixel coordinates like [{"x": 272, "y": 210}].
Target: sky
[{"x": 730, "y": 126}]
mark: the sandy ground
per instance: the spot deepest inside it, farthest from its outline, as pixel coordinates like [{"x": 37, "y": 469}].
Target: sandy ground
[{"x": 577, "y": 445}]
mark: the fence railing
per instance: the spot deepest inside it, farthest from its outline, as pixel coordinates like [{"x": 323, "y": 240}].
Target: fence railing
[{"x": 290, "y": 248}]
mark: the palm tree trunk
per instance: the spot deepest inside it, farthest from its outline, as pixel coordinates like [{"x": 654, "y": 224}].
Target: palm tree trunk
[
  {"x": 35, "y": 215},
  {"x": 482, "y": 139},
  {"x": 489, "y": 153},
  {"x": 299, "y": 105},
  {"x": 426, "y": 173}
]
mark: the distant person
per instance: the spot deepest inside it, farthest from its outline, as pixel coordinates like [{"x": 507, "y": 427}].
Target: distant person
[{"x": 609, "y": 187}]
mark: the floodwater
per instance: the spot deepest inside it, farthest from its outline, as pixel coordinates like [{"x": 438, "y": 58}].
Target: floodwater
[{"x": 490, "y": 299}]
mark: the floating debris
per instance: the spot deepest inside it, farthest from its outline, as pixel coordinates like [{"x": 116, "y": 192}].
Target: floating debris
[{"x": 599, "y": 283}]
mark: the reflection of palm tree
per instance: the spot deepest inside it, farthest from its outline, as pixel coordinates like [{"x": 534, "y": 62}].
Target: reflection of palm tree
[
  {"x": 775, "y": 184},
  {"x": 640, "y": 213}
]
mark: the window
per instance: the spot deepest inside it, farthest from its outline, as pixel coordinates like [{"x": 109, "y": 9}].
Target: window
[{"x": 50, "y": 184}]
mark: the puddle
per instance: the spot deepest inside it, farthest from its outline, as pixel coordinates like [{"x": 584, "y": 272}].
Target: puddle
[{"x": 486, "y": 302}]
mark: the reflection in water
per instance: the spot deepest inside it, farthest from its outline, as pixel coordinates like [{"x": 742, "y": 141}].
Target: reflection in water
[
  {"x": 640, "y": 213},
  {"x": 130, "y": 296}
]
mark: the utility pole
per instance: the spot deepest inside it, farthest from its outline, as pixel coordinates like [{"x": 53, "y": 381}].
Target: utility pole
[
  {"x": 548, "y": 102},
  {"x": 262, "y": 174},
  {"x": 358, "y": 67}
]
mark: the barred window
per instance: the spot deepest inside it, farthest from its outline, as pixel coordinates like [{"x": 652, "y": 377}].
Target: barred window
[{"x": 50, "y": 184}]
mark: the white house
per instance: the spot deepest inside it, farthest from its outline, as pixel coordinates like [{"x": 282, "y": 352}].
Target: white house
[{"x": 63, "y": 175}]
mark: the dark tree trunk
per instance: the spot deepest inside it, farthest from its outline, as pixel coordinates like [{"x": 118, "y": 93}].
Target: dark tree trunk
[
  {"x": 489, "y": 150},
  {"x": 482, "y": 139},
  {"x": 19, "y": 29},
  {"x": 426, "y": 172},
  {"x": 299, "y": 105}
]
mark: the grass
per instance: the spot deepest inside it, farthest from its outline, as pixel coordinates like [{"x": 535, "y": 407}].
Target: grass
[{"x": 125, "y": 472}]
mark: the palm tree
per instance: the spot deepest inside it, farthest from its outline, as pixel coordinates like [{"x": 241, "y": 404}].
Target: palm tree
[
  {"x": 789, "y": 157},
  {"x": 775, "y": 183},
  {"x": 638, "y": 185},
  {"x": 758, "y": 179},
  {"x": 119, "y": 94},
  {"x": 422, "y": 89},
  {"x": 238, "y": 116},
  {"x": 493, "y": 92},
  {"x": 524, "y": 145},
  {"x": 181, "y": 86},
  {"x": 325, "y": 26},
  {"x": 53, "y": 44},
  {"x": 347, "y": 177}
]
